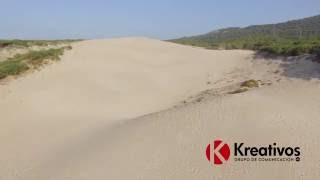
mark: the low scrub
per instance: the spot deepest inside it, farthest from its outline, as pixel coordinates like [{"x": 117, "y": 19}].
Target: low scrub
[
  {"x": 29, "y": 43},
  {"x": 37, "y": 58},
  {"x": 33, "y": 59},
  {"x": 277, "y": 46},
  {"x": 12, "y": 67}
]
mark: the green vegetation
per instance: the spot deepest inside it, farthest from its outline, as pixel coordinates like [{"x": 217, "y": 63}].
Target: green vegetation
[
  {"x": 291, "y": 38},
  {"x": 37, "y": 58},
  {"x": 29, "y": 43},
  {"x": 250, "y": 83},
  {"x": 245, "y": 86},
  {"x": 33, "y": 59},
  {"x": 12, "y": 67}
]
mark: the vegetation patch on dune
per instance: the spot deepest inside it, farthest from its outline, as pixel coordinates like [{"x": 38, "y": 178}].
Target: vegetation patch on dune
[
  {"x": 250, "y": 83},
  {"x": 31, "y": 60},
  {"x": 245, "y": 86},
  {"x": 37, "y": 58},
  {"x": 30, "y": 43},
  {"x": 12, "y": 67}
]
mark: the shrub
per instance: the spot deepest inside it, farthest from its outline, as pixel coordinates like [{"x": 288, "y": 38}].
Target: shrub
[{"x": 250, "y": 83}]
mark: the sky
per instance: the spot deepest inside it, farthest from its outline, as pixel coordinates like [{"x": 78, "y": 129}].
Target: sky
[{"x": 161, "y": 19}]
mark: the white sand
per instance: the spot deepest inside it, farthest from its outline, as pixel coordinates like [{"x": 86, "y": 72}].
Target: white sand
[{"x": 80, "y": 118}]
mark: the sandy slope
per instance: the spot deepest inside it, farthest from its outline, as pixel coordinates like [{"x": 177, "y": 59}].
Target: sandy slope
[{"x": 79, "y": 118}]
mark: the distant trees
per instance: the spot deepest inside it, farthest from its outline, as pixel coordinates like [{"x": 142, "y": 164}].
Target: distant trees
[{"x": 290, "y": 38}]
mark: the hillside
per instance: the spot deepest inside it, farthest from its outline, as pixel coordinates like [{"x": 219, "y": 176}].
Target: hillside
[{"x": 290, "y": 38}]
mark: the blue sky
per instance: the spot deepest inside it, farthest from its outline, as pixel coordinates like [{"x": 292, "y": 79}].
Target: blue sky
[{"x": 163, "y": 19}]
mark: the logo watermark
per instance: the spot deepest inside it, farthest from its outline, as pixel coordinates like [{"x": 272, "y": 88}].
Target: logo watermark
[{"x": 219, "y": 153}]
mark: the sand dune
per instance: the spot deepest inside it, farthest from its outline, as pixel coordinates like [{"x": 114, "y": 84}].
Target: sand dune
[{"x": 138, "y": 108}]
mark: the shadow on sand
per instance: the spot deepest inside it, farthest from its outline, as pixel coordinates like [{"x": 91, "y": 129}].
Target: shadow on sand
[{"x": 305, "y": 67}]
